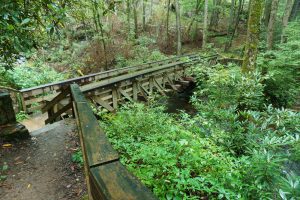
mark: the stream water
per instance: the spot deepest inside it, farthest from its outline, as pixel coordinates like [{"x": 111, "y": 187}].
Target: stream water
[{"x": 180, "y": 101}]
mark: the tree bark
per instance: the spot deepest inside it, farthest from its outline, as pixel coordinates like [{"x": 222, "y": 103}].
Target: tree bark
[
  {"x": 267, "y": 12},
  {"x": 198, "y": 6},
  {"x": 286, "y": 16},
  {"x": 214, "y": 20},
  {"x": 144, "y": 14},
  {"x": 136, "y": 34},
  {"x": 178, "y": 26},
  {"x": 253, "y": 30},
  {"x": 128, "y": 17},
  {"x": 271, "y": 25},
  {"x": 235, "y": 27},
  {"x": 205, "y": 32},
  {"x": 295, "y": 10},
  {"x": 167, "y": 25}
]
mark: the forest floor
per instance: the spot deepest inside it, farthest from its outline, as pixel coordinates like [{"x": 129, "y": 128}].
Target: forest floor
[{"x": 41, "y": 167}]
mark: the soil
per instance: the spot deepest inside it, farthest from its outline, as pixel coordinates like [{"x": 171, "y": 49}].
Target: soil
[{"x": 41, "y": 167}]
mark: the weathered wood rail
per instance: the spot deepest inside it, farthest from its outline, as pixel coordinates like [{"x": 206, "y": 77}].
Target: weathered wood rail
[
  {"x": 106, "y": 177},
  {"x": 109, "y": 87}
]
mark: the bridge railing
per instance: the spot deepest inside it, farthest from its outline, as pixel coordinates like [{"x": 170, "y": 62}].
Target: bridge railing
[
  {"x": 106, "y": 177},
  {"x": 34, "y": 98}
]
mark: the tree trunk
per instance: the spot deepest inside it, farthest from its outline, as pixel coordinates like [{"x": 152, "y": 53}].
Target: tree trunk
[
  {"x": 295, "y": 10},
  {"x": 267, "y": 12},
  {"x": 271, "y": 25},
  {"x": 236, "y": 24},
  {"x": 178, "y": 27},
  {"x": 128, "y": 17},
  {"x": 198, "y": 6},
  {"x": 136, "y": 34},
  {"x": 285, "y": 19},
  {"x": 253, "y": 30},
  {"x": 205, "y": 23},
  {"x": 167, "y": 25},
  {"x": 214, "y": 20},
  {"x": 144, "y": 14}
]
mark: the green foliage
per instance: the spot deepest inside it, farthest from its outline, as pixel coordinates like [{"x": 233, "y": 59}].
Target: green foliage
[
  {"x": 142, "y": 52},
  {"x": 77, "y": 158},
  {"x": 23, "y": 23},
  {"x": 21, "y": 116},
  {"x": 3, "y": 170},
  {"x": 283, "y": 67},
  {"x": 219, "y": 153},
  {"x": 228, "y": 87},
  {"x": 25, "y": 76},
  {"x": 162, "y": 154}
]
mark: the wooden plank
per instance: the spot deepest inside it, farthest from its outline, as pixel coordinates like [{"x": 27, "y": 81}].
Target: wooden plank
[
  {"x": 135, "y": 90},
  {"x": 64, "y": 93},
  {"x": 84, "y": 155},
  {"x": 58, "y": 113},
  {"x": 125, "y": 94},
  {"x": 171, "y": 83},
  {"x": 159, "y": 88},
  {"x": 77, "y": 95},
  {"x": 114, "y": 182},
  {"x": 103, "y": 104},
  {"x": 98, "y": 148},
  {"x": 115, "y": 98}
]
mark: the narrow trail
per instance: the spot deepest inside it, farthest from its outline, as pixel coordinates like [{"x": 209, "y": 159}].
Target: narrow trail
[{"x": 41, "y": 167}]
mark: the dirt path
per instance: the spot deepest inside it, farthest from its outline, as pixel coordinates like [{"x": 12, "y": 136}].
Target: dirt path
[{"x": 41, "y": 168}]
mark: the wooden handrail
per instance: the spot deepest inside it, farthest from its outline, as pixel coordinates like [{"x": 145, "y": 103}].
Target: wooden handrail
[{"x": 106, "y": 177}]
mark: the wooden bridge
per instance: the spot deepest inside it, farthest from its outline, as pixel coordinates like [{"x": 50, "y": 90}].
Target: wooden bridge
[
  {"x": 106, "y": 177},
  {"x": 107, "y": 89}
]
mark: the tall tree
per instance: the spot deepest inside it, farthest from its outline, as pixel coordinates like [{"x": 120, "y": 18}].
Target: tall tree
[
  {"x": 295, "y": 10},
  {"x": 253, "y": 30},
  {"x": 128, "y": 9},
  {"x": 267, "y": 12},
  {"x": 144, "y": 14},
  {"x": 205, "y": 24},
  {"x": 214, "y": 20},
  {"x": 135, "y": 5},
  {"x": 271, "y": 25},
  {"x": 168, "y": 18},
  {"x": 234, "y": 26},
  {"x": 178, "y": 27},
  {"x": 286, "y": 16}
]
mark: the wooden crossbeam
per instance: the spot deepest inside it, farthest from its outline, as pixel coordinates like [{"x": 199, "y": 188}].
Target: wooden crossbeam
[
  {"x": 58, "y": 113},
  {"x": 56, "y": 100},
  {"x": 159, "y": 88},
  {"x": 125, "y": 94},
  {"x": 104, "y": 104},
  {"x": 171, "y": 83}
]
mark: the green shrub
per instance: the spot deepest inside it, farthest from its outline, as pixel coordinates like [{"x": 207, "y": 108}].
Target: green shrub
[
  {"x": 172, "y": 161},
  {"x": 228, "y": 87},
  {"x": 26, "y": 77},
  {"x": 282, "y": 65}
]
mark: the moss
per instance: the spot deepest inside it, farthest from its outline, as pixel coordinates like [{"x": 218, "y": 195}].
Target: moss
[{"x": 256, "y": 8}]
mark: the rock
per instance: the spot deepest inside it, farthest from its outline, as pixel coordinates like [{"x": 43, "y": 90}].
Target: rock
[
  {"x": 13, "y": 131},
  {"x": 10, "y": 129}
]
